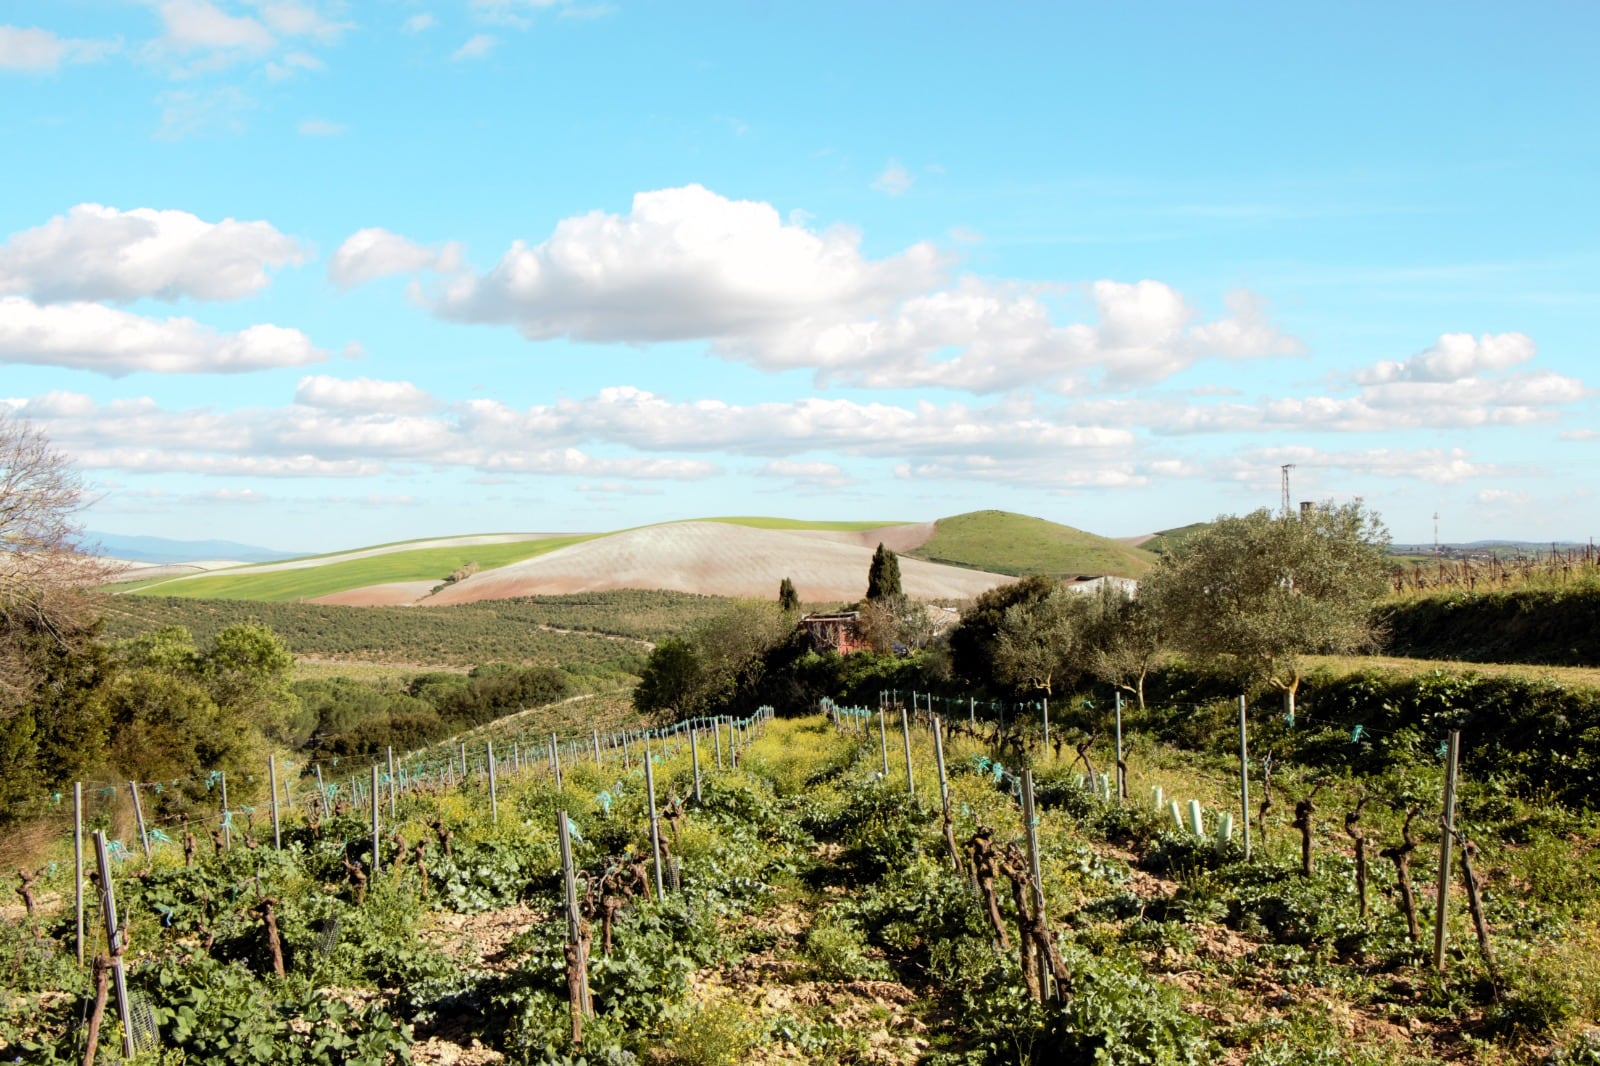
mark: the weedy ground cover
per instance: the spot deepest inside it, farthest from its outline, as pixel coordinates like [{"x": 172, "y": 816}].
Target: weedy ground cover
[{"x": 815, "y": 913}]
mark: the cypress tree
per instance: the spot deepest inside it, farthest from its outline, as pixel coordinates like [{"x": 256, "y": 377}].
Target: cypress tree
[
  {"x": 883, "y": 577},
  {"x": 788, "y": 598}
]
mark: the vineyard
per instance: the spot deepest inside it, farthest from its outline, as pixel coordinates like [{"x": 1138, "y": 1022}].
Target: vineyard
[
  {"x": 849, "y": 888},
  {"x": 539, "y": 630}
]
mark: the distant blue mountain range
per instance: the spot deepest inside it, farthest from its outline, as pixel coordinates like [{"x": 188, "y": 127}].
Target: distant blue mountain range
[{"x": 164, "y": 550}]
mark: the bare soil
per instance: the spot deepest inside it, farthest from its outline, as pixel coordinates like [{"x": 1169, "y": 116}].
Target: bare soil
[{"x": 716, "y": 558}]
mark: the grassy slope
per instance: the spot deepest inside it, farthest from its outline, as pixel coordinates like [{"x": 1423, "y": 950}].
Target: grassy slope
[
  {"x": 1168, "y": 539},
  {"x": 1006, "y": 543},
  {"x": 425, "y": 564}
]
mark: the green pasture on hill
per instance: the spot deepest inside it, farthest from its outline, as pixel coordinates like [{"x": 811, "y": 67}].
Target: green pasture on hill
[
  {"x": 1168, "y": 539},
  {"x": 424, "y": 564},
  {"x": 1005, "y": 543},
  {"x": 758, "y": 522}
]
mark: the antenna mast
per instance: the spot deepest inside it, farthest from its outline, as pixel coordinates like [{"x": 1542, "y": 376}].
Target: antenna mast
[{"x": 1286, "y": 468}]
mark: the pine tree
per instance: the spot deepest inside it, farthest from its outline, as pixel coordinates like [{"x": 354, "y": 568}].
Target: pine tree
[
  {"x": 883, "y": 577},
  {"x": 788, "y": 598}
]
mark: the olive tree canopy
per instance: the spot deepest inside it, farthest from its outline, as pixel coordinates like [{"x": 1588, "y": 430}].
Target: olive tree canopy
[{"x": 1251, "y": 596}]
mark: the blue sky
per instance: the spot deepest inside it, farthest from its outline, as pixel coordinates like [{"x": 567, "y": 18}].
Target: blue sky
[{"x": 319, "y": 274}]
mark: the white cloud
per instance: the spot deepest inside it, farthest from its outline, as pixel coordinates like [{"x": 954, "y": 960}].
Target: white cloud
[
  {"x": 813, "y": 475},
  {"x": 1455, "y": 357},
  {"x": 101, "y": 253},
  {"x": 1458, "y": 383},
  {"x": 894, "y": 180},
  {"x": 195, "y": 25},
  {"x": 41, "y": 51},
  {"x": 112, "y": 342},
  {"x": 233, "y": 496},
  {"x": 320, "y": 127},
  {"x": 1440, "y": 466},
  {"x": 686, "y": 264},
  {"x": 1580, "y": 434},
  {"x": 1004, "y": 337},
  {"x": 419, "y": 22},
  {"x": 575, "y": 462},
  {"x": 202, "y": 37},
  {"x": 475, "y": 47},
  {"x": 301, "y": 20},
  {"x": 361, "y": 394},
  {"x": 167, "y": 461},
  {"x": 372, "y": 253}
]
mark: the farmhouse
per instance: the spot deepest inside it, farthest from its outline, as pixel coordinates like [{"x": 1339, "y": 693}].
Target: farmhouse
[{"x": 839, "y": 632}]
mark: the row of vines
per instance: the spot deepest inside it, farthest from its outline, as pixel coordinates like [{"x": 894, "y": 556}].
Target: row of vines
[{"x": 823, "y": 902}]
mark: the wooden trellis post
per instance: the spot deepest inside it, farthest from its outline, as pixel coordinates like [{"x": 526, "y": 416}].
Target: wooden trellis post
[
  {"x": 114, "y": 944},
  {"x": 694, "y": 752},
  {"x": 655, "y": 821},
  {"x": 1244, "y": 777},
  {"x": 77, "y": 858},
  {"x": 494, "y": 794},
  {"x": 272, "y": 788},
  {"x": 138, "y": 814},
  {"x": 375, "y": 863},
  {"x": 1447, "y": 821}
]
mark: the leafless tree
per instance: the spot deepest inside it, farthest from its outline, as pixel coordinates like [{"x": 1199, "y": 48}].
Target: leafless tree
[{"x": 44, "y": 576}]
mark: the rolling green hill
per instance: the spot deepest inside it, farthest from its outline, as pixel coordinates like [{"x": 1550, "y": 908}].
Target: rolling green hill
[
  {"x": 1005, "y": 543},
  {"x": 1168, "y": 539},
  {"x": 304, "y": 583}
]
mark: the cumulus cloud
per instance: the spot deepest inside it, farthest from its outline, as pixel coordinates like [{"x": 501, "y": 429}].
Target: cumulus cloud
[
  {"x": 201, "y": 36},
  {"x": 1455, "y": 357},
  {"x": 112, "y": 342},
  {"x": 94, "y": 252},
  {"x": 361, "y": 394},
  {"x": 373, "y": 253},
  {"x": 193, "y": 25},
  {"x": 689, "y": 264},
  {"x": 1440, "y": 466},
  {"x": 1460, "y": 382},
  {"x": 26, "y": 48},
  {"x": 379, "y": 423},
  {"x": 684, "y": 263}
]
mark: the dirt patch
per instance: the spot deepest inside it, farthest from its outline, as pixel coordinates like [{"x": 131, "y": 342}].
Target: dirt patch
[
  {"x": 481, "y": 940},
  {"x": 439, "y": 1051},
  {"x": 717, "y": 559}
]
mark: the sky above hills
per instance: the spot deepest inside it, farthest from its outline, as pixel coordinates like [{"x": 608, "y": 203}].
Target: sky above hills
[{"x": 318, "y": 274}]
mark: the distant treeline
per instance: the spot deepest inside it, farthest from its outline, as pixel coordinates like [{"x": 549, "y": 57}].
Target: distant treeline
[{"x": 339, "y": 716}]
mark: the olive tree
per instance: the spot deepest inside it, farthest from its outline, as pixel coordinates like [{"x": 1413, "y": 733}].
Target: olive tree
[
  {"x": 1251, "y": 596},
  {"x": 1038, "y": 644},
  {"x": 1125, "y": 640}
]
